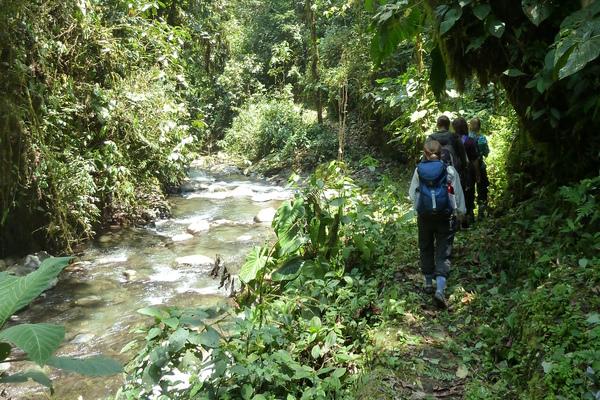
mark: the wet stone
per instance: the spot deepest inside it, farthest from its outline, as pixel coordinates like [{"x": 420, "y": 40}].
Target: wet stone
[
  {"x": 182, "y": 237},
  {"x": 265, "y": 215},
  {"x": 197, "y": 227},
  {"x": 196, "y": 259},
  {"x": 88, "y": 300},
  {"x": 83, "y": 338}
]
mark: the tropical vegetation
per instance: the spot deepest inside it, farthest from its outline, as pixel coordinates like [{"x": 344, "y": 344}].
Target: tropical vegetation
[{"x": 105, "y": 103}]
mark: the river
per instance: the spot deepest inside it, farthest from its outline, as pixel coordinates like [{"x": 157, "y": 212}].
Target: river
[{"x": 126, "y": 269}]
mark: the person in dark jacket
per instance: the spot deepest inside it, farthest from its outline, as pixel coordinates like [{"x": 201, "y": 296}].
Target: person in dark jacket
[
  {"x": 484, "y": 151},
  {"x": 460, "y": 127}
]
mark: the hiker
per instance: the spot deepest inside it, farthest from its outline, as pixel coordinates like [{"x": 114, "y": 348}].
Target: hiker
[
  {"x": 453, "y": 149},
  {"x": 460, "y": 127},
  {"x": 484, "y": 151},
  {"x": 438, "y": 199}
]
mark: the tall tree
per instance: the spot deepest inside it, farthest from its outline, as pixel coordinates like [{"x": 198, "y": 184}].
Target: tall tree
[{"x": 314, "y": 65}]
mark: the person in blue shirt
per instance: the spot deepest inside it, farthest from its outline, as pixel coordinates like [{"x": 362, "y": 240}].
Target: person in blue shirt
[
  {"x": 484, "y": 151},
  {"x": 436, "y": 234}
]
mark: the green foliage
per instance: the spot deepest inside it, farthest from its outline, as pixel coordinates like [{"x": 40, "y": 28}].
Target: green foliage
[
  {"x": 304, "y": 317},
  {"x": 39, "y": 341},
  {"x": 275, "y": 128},
  {"x": 88, "y": 120},
  {"x": 549, "y": 82}
]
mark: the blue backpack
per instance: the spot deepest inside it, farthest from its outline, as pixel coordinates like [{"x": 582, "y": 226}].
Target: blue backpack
[{"x": 434, "y": 200}]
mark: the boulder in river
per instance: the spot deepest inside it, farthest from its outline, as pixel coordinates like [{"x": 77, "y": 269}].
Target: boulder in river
[
  {"x": 265, "y": 215},
  {"x": 182, "y": 237},
  {"x": 198, "y": 226},
  {"x": 195, "y": 259},
  {"x": 33, "y": 261},
  {"x": 88, "y": 300},
  {"x": 83, "y": 338}
]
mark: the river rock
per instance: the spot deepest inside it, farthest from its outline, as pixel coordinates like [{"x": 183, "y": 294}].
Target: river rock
[
  {"x": 243, "y": 192},
  {"x": 2, "y": 266},
  {"x": 222, "y": 221},
  {"x": 193, "y": 186},
  {"x": 78, "y": 266},
  {"x": 224, "y": 170},
  {"x": 4, "y": 367},
  {"x": 10, "y": 261},
  {"x": 83, "y": 338},
  {"x": 33, "y": 261},
  {"x": 88, "y": 300},
  {"x": 182, "y": 237},
  {"x": 216, "y": 188},
  {"x": 198, "y": 226},
  {"x": 196, "y": 259},
  {"x": 265, "y": 215},
  {"x": 244, "y": 238},
  {"x": 263, "y": 197},
  {"x": 19, "y": 270}
]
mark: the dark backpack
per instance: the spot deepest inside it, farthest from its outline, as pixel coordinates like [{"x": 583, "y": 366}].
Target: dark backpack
[
  {"x": 449, "y": 154},
  {"x": 434, "y": 200}
]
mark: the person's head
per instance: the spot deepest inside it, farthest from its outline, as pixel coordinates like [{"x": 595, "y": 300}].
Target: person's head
[
  {"x": 474, "y": 125},
  {"x": 433, "y": 150},
  {"x": 459, "y": 126},
  {"x": 443, "y": 122}
]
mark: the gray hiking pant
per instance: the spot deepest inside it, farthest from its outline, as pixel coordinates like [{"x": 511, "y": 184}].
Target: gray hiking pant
[{"x": 435, "y": 244}]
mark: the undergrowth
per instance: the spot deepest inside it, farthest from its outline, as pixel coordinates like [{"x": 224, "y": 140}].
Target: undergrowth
[{"x": 335, "y": 308}]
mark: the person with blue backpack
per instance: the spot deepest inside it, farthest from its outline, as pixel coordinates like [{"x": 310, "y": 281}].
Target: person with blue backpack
[{"x": 439, "y": 202}]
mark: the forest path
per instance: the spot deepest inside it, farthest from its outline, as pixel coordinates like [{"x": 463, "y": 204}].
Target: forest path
[{"x": 421, "y": 354}]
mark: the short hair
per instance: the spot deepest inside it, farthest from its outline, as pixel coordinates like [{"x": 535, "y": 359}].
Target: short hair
[
  {"x": 433, "y": 147},
  {"x": 459, "y": 125},
  {"x": 443, "y": 122},
  {"x": 474, "y": 125}
]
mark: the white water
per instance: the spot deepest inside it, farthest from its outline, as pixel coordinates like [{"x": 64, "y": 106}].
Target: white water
[{"x": 128, "y": 269}]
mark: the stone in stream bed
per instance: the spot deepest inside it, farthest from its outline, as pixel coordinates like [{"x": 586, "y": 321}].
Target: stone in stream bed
[
  {"x": 198, "y": 226},
  {"x": 182, "y": 237},
  {"x": 196, "y": 259},
  {"x": 265, "y": 215}
]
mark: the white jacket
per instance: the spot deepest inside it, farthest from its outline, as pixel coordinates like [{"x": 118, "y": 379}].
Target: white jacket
[{"x": 454, "y": 182}]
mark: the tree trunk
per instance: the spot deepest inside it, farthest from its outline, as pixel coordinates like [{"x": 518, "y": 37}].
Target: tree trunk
[{"x": 314, "y": 67}]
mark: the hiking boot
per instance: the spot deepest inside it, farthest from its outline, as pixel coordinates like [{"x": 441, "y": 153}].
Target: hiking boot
[
  {"x": 440, "y": 301},
  {"x": 429, "y": 289}
]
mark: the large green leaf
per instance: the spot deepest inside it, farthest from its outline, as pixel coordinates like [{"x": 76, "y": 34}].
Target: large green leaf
[
  {"x": 94, "y": 366},
  {"x": 581, "y": 16},
  {"x": 255, "y": 262},
  {"x": 482, "y": 11},
  {"x": 585, "y": 52},
  {"x": 178, "y": 339},
  {"x": 289, "y": 270},
  {"x": 537, "y": 10},
  {"x": 39, "y": 341},
  {"x": 496, "y": 28},
  {"x": 5, "y": 349},
  {"x": 153, "y": 312},
  {"x": 287, "y": 227},
  {"x": 450, "y": 19},
  {"x": 395, "y": 26},
  {"x": 36, "y": 376},
  {"x": 211, "y": 338},
  {"x": 16, "y": 293}
]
